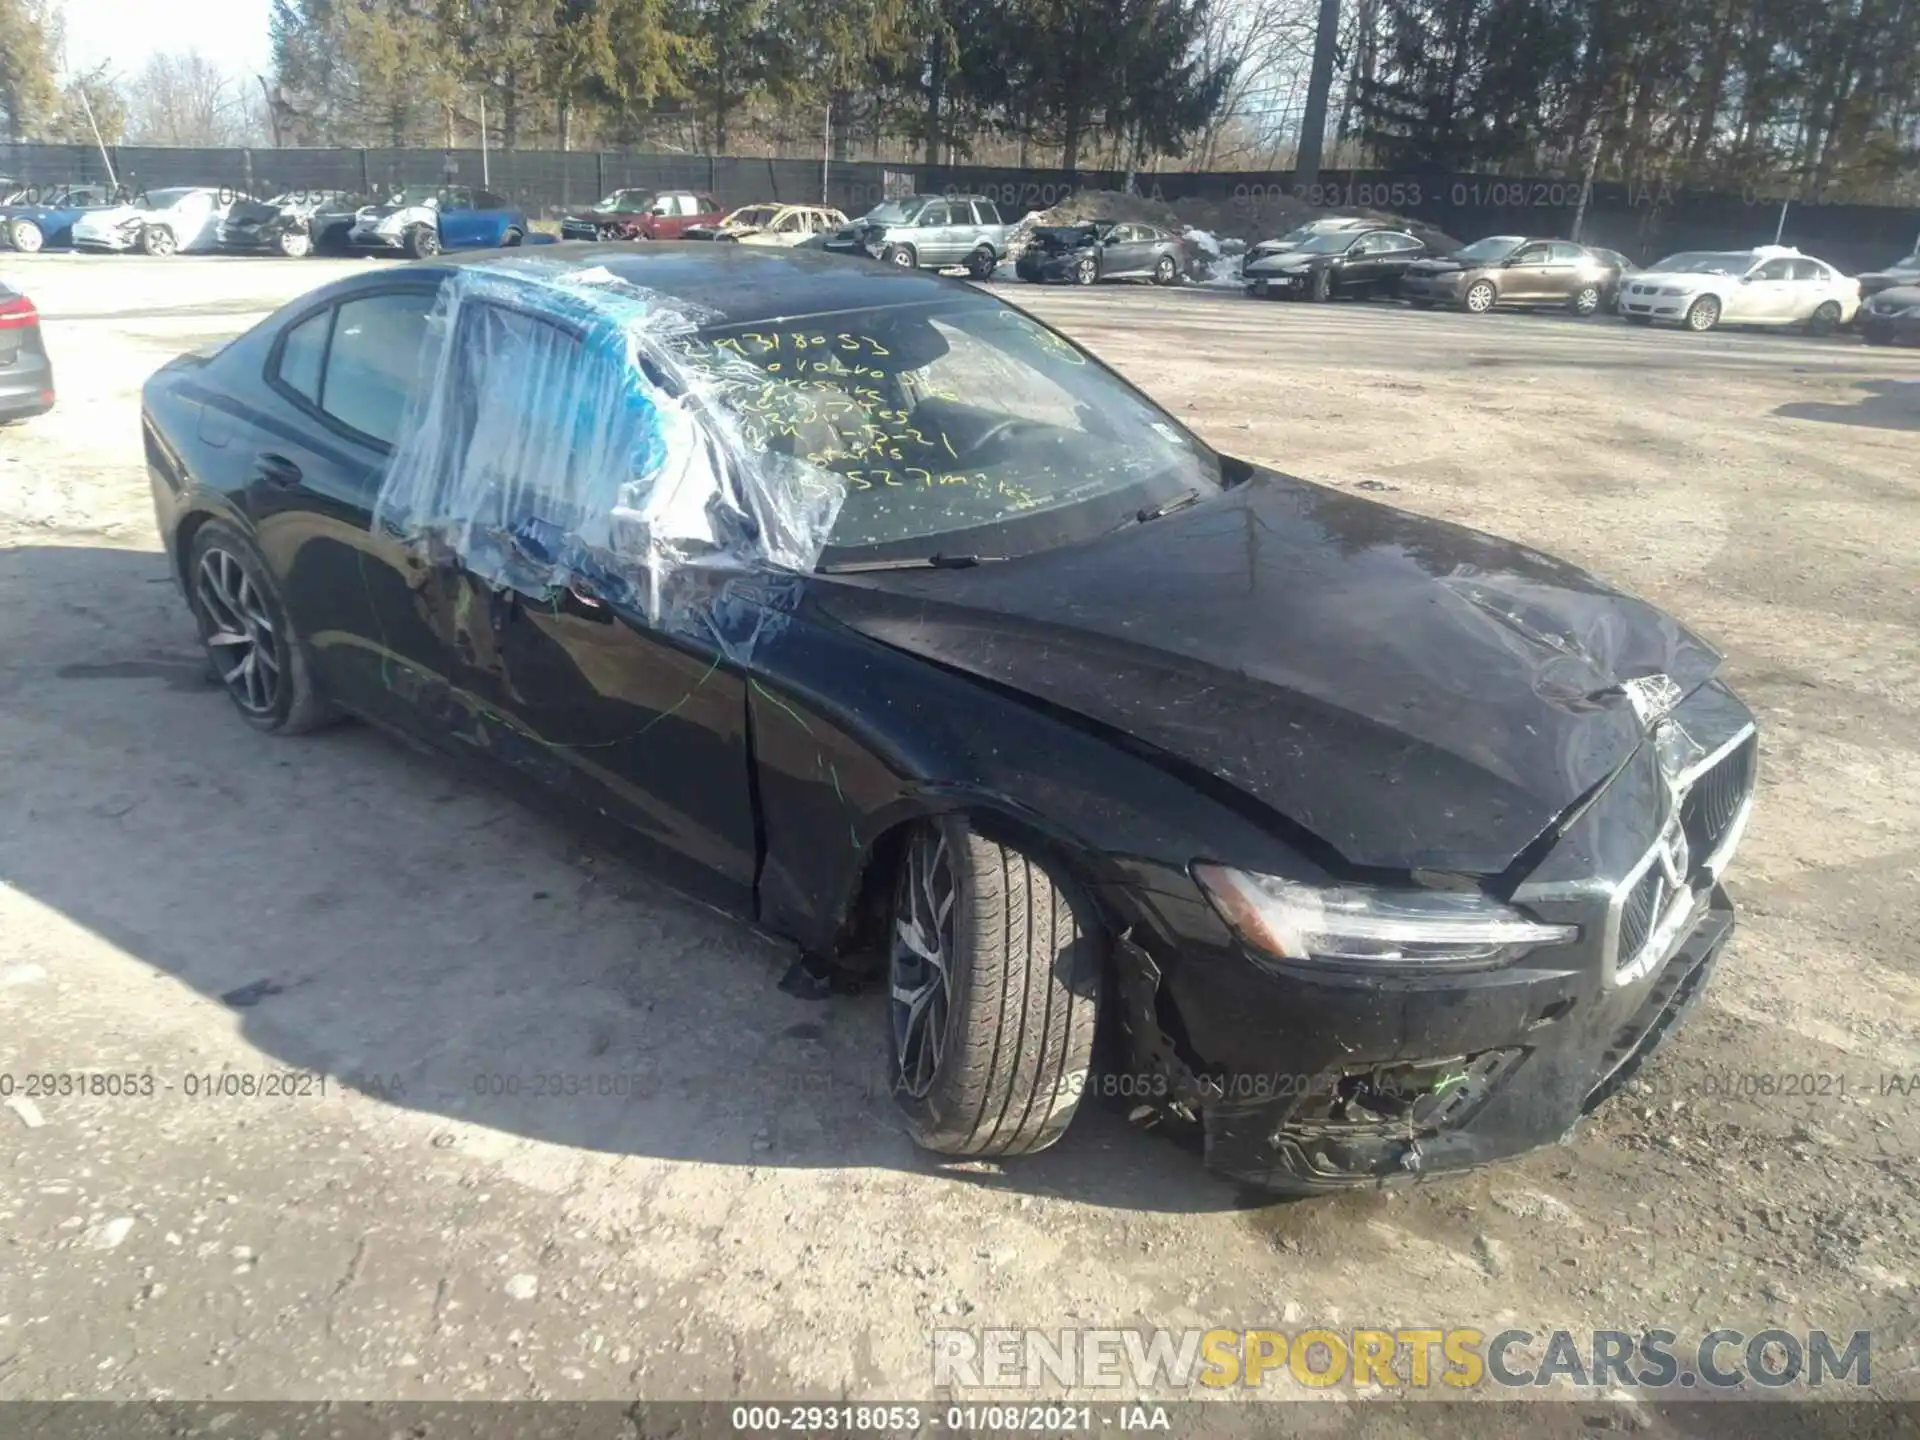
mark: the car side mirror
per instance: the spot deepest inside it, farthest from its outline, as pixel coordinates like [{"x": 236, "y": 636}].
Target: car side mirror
[{"x": 1746, "y": 279}]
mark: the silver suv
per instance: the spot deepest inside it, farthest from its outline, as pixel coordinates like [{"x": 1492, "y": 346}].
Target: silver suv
[{"x": 930, "y": 232}]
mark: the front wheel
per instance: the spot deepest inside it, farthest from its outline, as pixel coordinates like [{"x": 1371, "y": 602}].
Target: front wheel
[
  {"x": 422, "y": 241},
  {"x": 900, "y": 255},
  {"x": 1320, "y": 289},
  {"x": 1480, "y": 297},
  {"x": 251, "y": 645},
  {"x": 157, "y": 240},
  {"x": 994, "y": 983},
  {"x": 295, "y": 244},
  {"x": 1164, "y": 270},
  {"x": 1825, "y": 320},
  {"x": 1085, "y": 271},
  {"x": 26, "y": 237},
  {"x": 1704, "y": 314},
  {"x": 1585, "y": 300}
]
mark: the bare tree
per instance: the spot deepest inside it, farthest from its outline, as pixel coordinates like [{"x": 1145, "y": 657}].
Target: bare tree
[{"x": 185, "y": 99}]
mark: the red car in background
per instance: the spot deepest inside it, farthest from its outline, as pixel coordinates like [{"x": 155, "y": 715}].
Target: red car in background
[
  {"x": 642, "y": 215},
  {"x": 26, "y": 375}
]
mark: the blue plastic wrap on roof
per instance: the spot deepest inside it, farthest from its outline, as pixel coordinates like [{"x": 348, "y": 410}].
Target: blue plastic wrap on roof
[{"x": 558, "y": 440}]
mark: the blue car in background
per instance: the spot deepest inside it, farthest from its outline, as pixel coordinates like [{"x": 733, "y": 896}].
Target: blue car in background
[
  {"x": 426, "y": 219},
  {"x": 47, "y": 222}
]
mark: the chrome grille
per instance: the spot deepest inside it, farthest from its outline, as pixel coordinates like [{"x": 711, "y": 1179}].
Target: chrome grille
[
  {"x": 1713, "y": 804},
  {"x": 1641, "y": 909}
]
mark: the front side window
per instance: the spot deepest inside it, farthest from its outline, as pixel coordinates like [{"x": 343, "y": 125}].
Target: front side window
[
  {"x": 1566, "y": 254},
  {"x": 1774, "y": 270},
  {"x": 958, "y": 426},
  {"x": 371, "y": 364},
  {"x": 1490, "y": 251}
]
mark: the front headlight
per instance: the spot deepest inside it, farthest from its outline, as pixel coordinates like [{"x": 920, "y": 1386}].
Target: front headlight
[{"x": 1373, "y": 927}]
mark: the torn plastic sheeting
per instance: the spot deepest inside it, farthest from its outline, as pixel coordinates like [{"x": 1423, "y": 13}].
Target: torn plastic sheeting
[{"x": 565, "y": 435}]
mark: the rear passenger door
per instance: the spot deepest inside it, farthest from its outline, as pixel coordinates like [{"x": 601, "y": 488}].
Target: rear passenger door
[{"x": 374, "y": 618}]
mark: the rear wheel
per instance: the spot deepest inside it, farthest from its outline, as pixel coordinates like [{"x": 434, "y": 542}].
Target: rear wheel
[
  {"x": 510, "y": 239},
  {"x": 251, "y": 646},
  {"x": 1703, "y": 314},
  {"x": 422, "y": 240},
  {"x": 1585, "y": 300},
  {"x": 157, "y": 240},
  {"x": 25, "y": 236},
  {"x": 994, "y": 984},
  {"x": 1825, "y": 320},
  {"x": 1480, "y": 297}
]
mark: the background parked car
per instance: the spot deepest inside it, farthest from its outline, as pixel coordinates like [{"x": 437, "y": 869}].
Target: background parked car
[
  {"x": 282, "y": 224},
  {"x": 26, "y": 375},
  {"x": 771, "y": 224},
  {"x": 158, "y": 222},
  {"x": 1300, "y": 234},
  {"x": 1770, "y": 285},
  {"x": 642, "y": 215},
  {"x": 1101, "y": 250},
  {"x": 931, "y": 232},
  {"x": 46, "y": 221},
  {"x": 1905, "y": 271},
  {"x": 1892, "y": 317},
  {"x": 426, "y": 219},
  {"x": 1335, "y": 262},
  {"x": 1514, "y": 270}
]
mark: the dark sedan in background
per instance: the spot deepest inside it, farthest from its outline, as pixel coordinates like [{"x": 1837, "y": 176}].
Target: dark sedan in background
[
  {"x": 1335, "y": 263},
  {"x": 1901, "y": 272},
  {"x": 26, "y": 374},
  {"x": 1101, "y": 250},
  {"x": 1514, "y": 270},
  {"x": 1892, "y": 317},
  {"x": 285, "y": 224},
  {"x": 1388, "y": 846}
]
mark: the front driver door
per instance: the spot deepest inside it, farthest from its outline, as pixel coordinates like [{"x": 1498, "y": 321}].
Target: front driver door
[
  {"x": 1764, "y": 297},
  {"x": 608, "y": 714},
  {"x": 1526, "y": 275},
  {"x": 460, "y": 223}
]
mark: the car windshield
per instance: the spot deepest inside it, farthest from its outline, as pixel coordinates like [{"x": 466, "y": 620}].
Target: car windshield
[
  {"x": 627, "y": 201},
  {"x": 753, "y": 215},
  {"x": 961, "y": 426},
  {"x": 896, "y": 212},
  {"x": 1705, "y": 262},
  {"x": 162, "y": 199},
  {"x": 1494, "y": 247},
  {"x": 415, "y": 195}
]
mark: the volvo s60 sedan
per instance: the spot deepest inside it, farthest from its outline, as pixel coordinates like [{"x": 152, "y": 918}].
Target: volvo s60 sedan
[{"x": 875, "y": 610}]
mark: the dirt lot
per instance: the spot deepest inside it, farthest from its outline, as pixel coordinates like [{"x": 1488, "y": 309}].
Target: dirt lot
[{"x": 181, "y": 896}]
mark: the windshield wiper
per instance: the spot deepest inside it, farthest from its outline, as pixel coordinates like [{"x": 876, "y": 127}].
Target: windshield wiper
[
  {"x": 1154, "y": 512},
  {"x": 911, "y": 562}
]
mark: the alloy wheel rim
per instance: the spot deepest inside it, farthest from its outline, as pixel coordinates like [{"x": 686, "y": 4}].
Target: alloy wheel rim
[
  {"x": 1702, "y": 316},
  {"x": 241, "y": 638},
  {"x": 162, "y": 243},
  {"x": 902, "y": 259},
  {"x": 1085, "y": 272},
  {"x": 1479, "y": 299},
  {"x": 26, "y": 237},
  {"x": 294, "y": 246},
  {"x": 1587, "y": 301},
  {"x": 920, "y": 963}
]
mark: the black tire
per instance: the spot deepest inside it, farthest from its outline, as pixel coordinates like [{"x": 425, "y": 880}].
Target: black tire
[
  {"x": 1086, "y": 270},
  {"x": 900, "y": 255},
  {"x": 510, "y": 239},
  {"x": 1017, "y": 1024},
  {"x": 1480, "y": 298},
  {"x": 157, "y": 240},
  {"x": 1585, "y": 301},
  {"x": 1320, "y": 289},
  {"x": 981, "y": 263},
  {"x": 296, "y": 705},
  {"x": 422, "y": 241},
  {"x": 1702, "y": 315},
  {"x": 1165, "y": 271},
  {"x": 1825, "y": 320}
]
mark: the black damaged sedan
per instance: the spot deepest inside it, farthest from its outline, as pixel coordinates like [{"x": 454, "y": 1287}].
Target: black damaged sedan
[{"x": 1376, "y": 847}]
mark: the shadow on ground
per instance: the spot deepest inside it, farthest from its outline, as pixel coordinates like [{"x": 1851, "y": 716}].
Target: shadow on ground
[
  {"x": 386, "y": 918},
  {"x": 1884, "y": 404}
]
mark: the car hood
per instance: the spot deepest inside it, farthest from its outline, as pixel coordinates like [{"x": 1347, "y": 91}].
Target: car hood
[
  {"x": 1416, "y": 694},
  {"x": 111, "y": 217},
  {"x": 1904, "y": 274},
  {"x": 1279, "y": 264},
  {"x": 1898, "y": 297},
  {"x": 1441, "y": 265}
]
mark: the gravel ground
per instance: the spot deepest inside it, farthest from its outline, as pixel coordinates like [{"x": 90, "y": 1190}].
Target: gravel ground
[{"x": 179, "y": 896}]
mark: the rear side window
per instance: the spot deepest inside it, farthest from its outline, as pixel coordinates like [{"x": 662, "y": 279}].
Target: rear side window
[
  {"x": 371, "y": 364},
  {"x": 302, "y": 353},
  {"x": 985, "y": 212},
  {"x": 1565, "y": 254},
  {"x": 1809, "y": 270}
]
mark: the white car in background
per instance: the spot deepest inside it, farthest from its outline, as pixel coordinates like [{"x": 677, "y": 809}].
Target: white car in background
[
  {"x": 158, "y": 222},
  {"x": 1768, "y": 285},
  {"x": 770, "y": 225}
]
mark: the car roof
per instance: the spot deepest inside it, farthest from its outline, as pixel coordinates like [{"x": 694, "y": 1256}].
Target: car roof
[{"x": 745, "y": 283}]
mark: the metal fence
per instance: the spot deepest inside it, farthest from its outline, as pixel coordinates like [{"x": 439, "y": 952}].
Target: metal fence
[{"x": 1644, "y": 220}]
